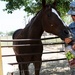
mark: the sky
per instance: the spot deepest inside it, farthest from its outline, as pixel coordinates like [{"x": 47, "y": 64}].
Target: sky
[{"x": 11, "y": 22}]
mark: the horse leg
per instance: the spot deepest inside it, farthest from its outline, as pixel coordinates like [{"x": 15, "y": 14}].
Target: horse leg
[
  {"x": 37, "y": 67},
  {"x": 25, "y": 67},
  {"x": 37, "y": 60},
  {"x": 20, "y": 69},
  {"x": 19, "y": 59}
]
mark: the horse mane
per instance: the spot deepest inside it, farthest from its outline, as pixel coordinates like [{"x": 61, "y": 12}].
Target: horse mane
[{"x": 32, "y": 20}]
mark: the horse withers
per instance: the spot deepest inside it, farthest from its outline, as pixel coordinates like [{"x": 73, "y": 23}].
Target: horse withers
[{"x": 47, "y": 19}]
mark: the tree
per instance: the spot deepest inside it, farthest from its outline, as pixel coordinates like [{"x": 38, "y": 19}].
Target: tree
[
  {"x": 1, "y": 33},
  {"x": 32, "y": 6},
  {"x": 10, "y": 33}
]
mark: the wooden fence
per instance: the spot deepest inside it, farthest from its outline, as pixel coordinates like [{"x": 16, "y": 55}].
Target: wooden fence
[
  {"x": 1, "y": 68},
  {"x": 55, "y": 43}
]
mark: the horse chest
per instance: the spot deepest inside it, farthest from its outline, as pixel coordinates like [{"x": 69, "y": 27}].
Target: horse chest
[{"x": 30, "y": 49}]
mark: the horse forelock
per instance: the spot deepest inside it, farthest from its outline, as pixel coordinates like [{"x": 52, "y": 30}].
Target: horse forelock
[{"x": 55, "y": 12}]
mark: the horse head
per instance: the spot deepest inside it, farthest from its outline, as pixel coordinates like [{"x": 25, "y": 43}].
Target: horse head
[{"x": 52, "y": 23}]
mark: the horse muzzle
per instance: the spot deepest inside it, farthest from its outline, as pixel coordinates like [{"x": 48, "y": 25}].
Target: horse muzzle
[{"x": 66, "y": 36}]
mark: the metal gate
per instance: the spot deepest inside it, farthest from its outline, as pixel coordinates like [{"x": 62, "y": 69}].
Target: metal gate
[{"x": 44, "y": 44}]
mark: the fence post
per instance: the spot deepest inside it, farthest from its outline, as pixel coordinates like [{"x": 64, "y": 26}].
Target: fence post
[{"x": 1, "y": 69}]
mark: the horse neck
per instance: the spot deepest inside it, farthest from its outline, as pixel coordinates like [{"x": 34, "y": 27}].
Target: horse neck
[{"x": 36, "y": 29}]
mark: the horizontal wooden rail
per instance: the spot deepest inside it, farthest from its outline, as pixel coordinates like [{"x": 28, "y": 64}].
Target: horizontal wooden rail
[
  {"x": 38, "y": 61},
  {"x": 57, "y": 43},
  {"x": 28, "y": 39},
  {"x": 31, "y": 54}
]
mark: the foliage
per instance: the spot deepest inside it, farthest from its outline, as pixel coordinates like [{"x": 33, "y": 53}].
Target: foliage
[
  {"x": 32, "y": 6},
  {"x": 10, "y": 33},
  {"x": 1, "y": 33}
]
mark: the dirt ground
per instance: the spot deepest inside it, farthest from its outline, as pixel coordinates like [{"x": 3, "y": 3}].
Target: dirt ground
[{"x": 47, "y": 68}]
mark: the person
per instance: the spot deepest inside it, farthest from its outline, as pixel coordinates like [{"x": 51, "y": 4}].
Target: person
[
  {"x": 72, "y": 13},
  {"x": 72, "y": 25},
  {"x": 72, "y": 28}
]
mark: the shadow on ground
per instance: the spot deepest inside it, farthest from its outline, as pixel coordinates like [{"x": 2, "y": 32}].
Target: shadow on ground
[{"x": 51, "y": 68}]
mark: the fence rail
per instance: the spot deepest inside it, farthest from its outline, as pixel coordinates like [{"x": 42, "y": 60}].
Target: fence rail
[
  {"x": 32, "y": 54},
  {"x": 28, "y": 39},
  {"x": 37, "y": 61},
  {"x": 35, "y": 44}
]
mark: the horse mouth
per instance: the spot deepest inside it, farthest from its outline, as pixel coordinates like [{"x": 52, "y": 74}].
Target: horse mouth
[
  {"x": 66, "y": 39},
  {"x": 65, "y": 36}
]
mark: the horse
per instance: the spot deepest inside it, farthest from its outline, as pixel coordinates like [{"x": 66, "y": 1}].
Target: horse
[{"x": 47, "y": 19}]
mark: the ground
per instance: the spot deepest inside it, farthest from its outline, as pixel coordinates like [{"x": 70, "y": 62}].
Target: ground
[{"x": 48, "y": 68}]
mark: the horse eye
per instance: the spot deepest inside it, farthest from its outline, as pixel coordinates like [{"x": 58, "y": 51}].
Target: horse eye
[{"x": 51, "y": 25}]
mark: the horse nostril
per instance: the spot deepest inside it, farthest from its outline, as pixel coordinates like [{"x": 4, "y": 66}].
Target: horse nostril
[{"x": 65, "y": 32}]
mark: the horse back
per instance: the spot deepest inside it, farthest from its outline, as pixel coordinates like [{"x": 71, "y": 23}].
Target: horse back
[{"x": 16, "y": 33}]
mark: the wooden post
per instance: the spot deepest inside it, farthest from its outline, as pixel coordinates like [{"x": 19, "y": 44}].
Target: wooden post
[{"x": 1, "y": 69}]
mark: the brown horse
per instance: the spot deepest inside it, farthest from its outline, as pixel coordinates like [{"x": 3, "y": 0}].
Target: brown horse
[{"x": 47, "y": 19}]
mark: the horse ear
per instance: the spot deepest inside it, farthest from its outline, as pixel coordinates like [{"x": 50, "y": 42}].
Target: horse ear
[
  {"x": 55, "y": 3},
  {"x": 43, "y": 3}
]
